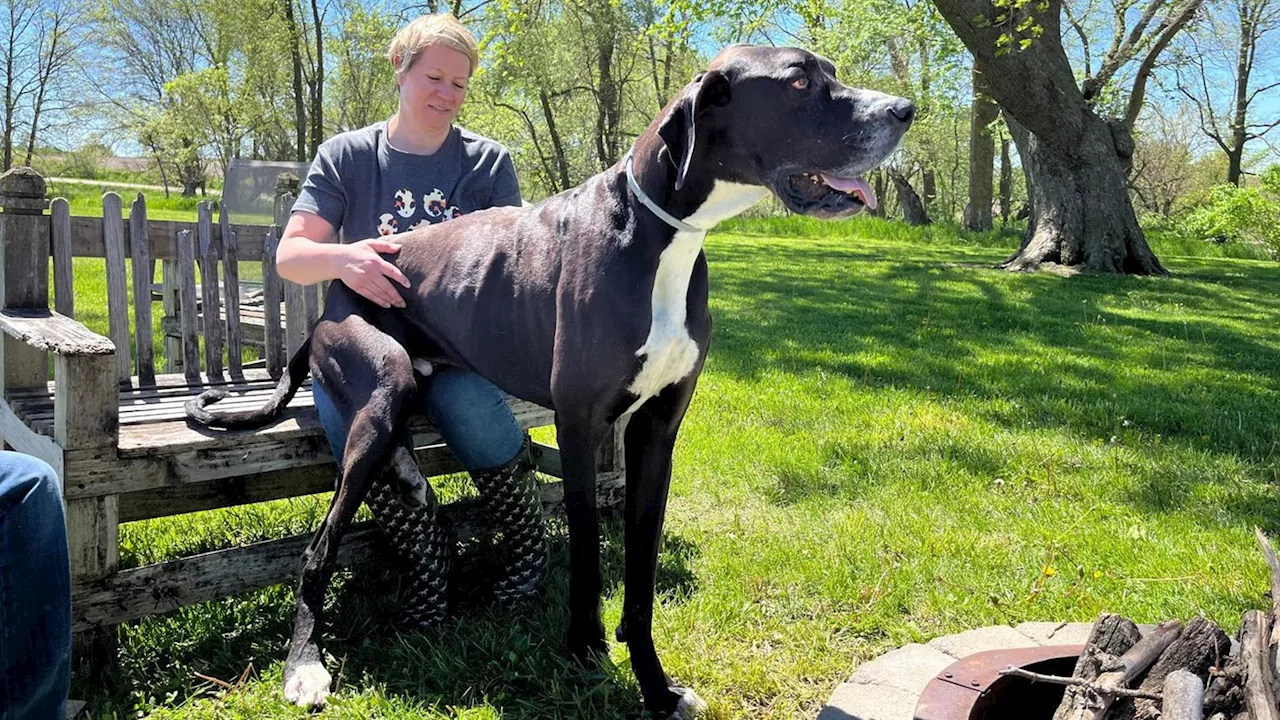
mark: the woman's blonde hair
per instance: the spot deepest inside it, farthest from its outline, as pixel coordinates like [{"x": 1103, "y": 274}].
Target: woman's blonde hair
[{"x": 427, "y": 30}]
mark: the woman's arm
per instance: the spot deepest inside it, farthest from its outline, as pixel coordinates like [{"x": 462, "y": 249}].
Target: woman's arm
[{"x": 308, "y": 254}]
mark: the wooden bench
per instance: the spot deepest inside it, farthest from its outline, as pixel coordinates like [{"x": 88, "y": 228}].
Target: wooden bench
[{"x": 115, "y": 430}]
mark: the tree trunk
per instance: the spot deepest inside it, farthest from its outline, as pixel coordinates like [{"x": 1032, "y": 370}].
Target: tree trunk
[
  {"x": 1006, "y": 182},
  {"x": 1081, "y": 215},
  {"x": 977, "y": 214},
  {"x": 1076, "y": 162},
  {"x": 1244, "y": 66},
  {"x": 913, "y": 211},
  {"x": 879, "y": 186},
  {"x": 557, "y": 145},
  {"x": 929, "y": 183},
  {"x": 299, "y": 110},
  {"x": 317, "y": 94}
]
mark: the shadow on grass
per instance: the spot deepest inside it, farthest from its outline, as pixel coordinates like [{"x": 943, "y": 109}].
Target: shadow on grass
[
  {"x": 1192, "y": 362},
  {"x": 511, "y": 658}
]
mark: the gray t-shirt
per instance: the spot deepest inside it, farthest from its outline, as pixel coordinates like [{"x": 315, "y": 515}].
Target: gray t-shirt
[{"x": 366, "y": 188}]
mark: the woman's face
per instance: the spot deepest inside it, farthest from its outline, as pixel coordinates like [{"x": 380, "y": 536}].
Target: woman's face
[{"x": 434, "y": 86}]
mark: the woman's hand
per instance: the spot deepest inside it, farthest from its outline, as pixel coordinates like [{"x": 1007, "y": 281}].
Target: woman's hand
[{"x": 361, "y": 268}]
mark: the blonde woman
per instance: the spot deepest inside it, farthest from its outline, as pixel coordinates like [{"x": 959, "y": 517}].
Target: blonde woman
[{"x": 415, "y": 169}]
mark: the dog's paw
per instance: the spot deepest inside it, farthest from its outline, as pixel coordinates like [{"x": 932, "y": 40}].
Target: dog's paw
[
  {"x": 690, "y": 706},
  {"x": 307, "y": 685},
  {"x": 588, "y": 647}
]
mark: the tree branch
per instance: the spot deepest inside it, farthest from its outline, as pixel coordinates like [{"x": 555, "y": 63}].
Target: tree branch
[{"x": 1168, "y": 30}]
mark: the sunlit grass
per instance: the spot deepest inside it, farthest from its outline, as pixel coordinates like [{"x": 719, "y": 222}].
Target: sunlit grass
[{"x": 891, "y": 441}]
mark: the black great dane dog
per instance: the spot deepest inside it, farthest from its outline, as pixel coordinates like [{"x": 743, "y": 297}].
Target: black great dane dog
[{"x": 593, "y": 303}]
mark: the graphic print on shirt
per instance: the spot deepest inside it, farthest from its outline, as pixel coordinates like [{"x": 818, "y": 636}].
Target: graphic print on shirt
[
  {"x": 406, "y": 204},
  {"x": 387, "y": 224},
  {"x": 435, "y": 206},
  {"x": 434, "y": 203}
]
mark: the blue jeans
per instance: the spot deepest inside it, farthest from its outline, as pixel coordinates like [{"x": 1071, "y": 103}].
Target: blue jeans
[
  {"x": 468, "y": 410},
  {"x": 35, "y": 592}
]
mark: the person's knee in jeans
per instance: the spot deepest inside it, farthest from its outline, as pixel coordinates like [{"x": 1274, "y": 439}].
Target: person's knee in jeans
[
  {"x": 473, "y": 418},
  {"x": 35, "y": 591}
]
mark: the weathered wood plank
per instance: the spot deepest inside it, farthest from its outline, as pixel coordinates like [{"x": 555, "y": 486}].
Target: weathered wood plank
[
  {"x": 144, "y": 591},
  {"x": 169, "y": 293},
  {"x": 60, "y": 244},
  {"x": 311, "y": 309},
  {"x": 85, "y": 405},
  {"x": 18, "y": 436},
  {"x": 272, "y": 296},
  {"x": 231, "y": 275},
  {"x": 53, "y": 332},
  {"x": 93, "y": 541},
  {"x": 187, "y": 305},
  {"x": 210, "y": 301},
  {"x": 117, "y": 287},
  {"x": 173, "y": 453},
  {"x": 139, "y": 592},
  {"x": 295, "y": 317},
  {"x": 142, "y": 277},
  {"x": 86, "y": 237}
]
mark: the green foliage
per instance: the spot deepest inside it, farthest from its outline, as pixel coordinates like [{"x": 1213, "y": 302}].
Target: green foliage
[{"x": 1245, "y": 215}]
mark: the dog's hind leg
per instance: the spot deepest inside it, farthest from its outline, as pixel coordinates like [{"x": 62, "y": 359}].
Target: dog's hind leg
[
  {"x": 406, "y": 509},
  {"x": 380, "y": 384},
  {"x": 650, "y": 440}
]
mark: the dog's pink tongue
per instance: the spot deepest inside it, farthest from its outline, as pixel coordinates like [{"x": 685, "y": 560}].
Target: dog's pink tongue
[{"x": 855, "y": 185}]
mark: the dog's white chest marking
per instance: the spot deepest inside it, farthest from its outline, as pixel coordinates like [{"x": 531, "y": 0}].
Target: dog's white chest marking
[{"x": 669, "y": 353}]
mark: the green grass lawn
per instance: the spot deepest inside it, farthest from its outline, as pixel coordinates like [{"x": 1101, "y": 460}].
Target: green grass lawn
[{"x": 891, "y": 441}]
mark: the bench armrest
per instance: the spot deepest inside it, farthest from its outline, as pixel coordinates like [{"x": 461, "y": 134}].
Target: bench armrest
[
  {"x": 86, "y": 395},
  {"x": 48, "y": 330}
]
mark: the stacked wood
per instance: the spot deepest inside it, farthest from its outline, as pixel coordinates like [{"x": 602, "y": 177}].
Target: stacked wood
[{"x": 1176, "y": 672}]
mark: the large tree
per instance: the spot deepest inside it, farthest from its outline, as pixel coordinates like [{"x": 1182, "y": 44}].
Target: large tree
[
  {"x": 982, "y": 153},
  {"x": 1076, "y": 159}
]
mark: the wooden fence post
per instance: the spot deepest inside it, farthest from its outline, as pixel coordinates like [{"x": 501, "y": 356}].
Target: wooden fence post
[{"x": 24, "y": 270}]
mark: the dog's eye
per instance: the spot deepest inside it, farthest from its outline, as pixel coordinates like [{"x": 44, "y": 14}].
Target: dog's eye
[{"x": 800, "y": 83}]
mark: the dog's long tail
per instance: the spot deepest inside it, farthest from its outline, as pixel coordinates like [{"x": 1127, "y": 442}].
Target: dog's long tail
[{"x": 294, "y": 375}]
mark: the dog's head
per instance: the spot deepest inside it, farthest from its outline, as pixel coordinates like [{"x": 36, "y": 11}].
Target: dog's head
[{"x": 777, "y": 117}]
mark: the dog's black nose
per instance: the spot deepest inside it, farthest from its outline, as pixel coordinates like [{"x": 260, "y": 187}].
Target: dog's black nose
[{"x": 904, "y": 110}]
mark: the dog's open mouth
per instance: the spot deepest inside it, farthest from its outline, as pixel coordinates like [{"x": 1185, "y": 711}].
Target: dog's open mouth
[{"x": 827, "y": 195}]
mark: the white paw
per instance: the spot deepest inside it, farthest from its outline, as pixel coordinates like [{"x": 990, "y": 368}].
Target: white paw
[
  {"x": 690, "y": 706},
  {"x": 423, "y": 367},
  {"x": 308, "y": 686}
]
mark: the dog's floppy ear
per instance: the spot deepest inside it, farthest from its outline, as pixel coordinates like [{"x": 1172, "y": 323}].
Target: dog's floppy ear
[{"x": 679, "y": 128}]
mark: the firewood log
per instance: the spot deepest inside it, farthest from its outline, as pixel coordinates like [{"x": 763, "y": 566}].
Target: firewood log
[
  {"x": 1130, "y": 665},
  {"x": 1112, "y": 635},
  {"x": 1201, "y": 645},
  {"x": 1259, "y": 674},
  {"x": 1183, "y": 696}
]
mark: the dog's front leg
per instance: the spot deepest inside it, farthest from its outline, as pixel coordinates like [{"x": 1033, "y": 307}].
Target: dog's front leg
[
  {"x": 578, "y": 444},
  {"x": 650, "y": 441}
]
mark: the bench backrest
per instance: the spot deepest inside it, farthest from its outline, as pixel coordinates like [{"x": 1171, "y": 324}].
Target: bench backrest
[{"x": 212, "y": 309}]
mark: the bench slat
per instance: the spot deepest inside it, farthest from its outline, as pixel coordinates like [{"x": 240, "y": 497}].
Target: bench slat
[
  {"x": 139, "y": 592},
  {"x": 231, "y": 274},
  {"x": 210, "y": 301},
  {"x": 187, "y": 304},
  {"x": 142, "y": 276},
  {"x": 272, "y": 296},
  {"x": 117, "y": 289},
  {"x": 63, "y": 280}
]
